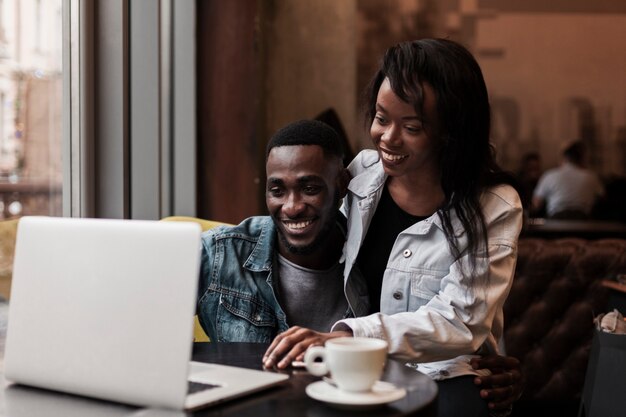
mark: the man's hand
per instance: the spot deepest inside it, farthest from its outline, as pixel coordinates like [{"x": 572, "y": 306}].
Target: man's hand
[
  {"x": 291, "y": 345},
  {"x": 505, "y": 384}
]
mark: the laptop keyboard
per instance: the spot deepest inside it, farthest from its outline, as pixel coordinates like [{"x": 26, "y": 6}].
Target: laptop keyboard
[{"x": 193, "y": 387}]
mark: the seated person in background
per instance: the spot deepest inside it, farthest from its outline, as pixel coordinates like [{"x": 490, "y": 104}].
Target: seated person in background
[
  {"x": 271, "y": 272},
  {"x": 570, "y": 190},
  {"x": 528, "y": 175}
]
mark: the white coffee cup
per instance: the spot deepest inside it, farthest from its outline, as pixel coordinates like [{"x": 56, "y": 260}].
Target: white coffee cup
[{"x": 355, "y": 363}]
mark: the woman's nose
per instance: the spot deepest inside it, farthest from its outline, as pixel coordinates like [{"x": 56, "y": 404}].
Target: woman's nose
[{"x": 390, "y": 135}]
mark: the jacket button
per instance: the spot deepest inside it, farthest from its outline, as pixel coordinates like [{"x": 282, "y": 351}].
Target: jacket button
[
  {"x": 407, "y": 253},
  {"x": 397, "y": 295}
]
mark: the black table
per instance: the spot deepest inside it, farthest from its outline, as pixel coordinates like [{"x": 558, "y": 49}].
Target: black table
[
  {"x": 291, "y": 400},
  {"x": 288, "y": 399}
]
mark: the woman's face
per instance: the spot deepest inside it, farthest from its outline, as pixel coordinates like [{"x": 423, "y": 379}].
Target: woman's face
[{"x": 405, "y": 140}]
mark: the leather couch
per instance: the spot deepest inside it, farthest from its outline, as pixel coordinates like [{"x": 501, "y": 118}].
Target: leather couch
[{"x": 549, "y": 315}]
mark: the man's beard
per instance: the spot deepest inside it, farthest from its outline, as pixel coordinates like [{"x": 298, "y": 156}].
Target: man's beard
[{"x": 319, "y": 240}]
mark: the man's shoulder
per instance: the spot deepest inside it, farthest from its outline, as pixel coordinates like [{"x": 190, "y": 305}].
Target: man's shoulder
[
  {"x": 250, "y": 228},
  {"x": 551, "y": 176}
]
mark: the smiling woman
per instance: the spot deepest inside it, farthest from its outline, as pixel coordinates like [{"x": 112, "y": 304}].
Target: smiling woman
[{"x": 433, "y": 223}]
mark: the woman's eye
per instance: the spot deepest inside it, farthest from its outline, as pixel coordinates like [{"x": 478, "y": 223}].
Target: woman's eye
[
  {"x": 414, "y": 129},
  {"x": 381, "y": 120}
]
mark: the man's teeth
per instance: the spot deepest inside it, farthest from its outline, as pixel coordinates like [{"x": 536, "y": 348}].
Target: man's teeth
[
  {"x": 298, "y": 225},
  {"x": 393, "y": 158}
]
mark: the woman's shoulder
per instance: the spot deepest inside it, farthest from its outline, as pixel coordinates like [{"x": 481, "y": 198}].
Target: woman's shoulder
[
  {"x": 505, "y": 194},
  {"x": 500, "y": 198}
]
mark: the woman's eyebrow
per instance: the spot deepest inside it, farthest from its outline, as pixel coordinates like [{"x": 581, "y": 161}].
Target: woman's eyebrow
[{"x": 382, "y": 109}]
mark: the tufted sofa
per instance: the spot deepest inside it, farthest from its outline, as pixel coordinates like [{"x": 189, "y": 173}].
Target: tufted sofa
[{"x": 549, "y": 316}]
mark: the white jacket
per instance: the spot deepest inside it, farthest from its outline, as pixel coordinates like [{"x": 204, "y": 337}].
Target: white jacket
[{"x": 430, "y": 311}]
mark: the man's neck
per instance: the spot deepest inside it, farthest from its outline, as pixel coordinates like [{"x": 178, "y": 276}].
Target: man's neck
[{"x": 325, "y": 257}]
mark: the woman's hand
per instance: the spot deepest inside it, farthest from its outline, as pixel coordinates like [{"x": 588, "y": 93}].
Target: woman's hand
[
  {"x": 505, "y": 384},
  {"x": 292, "y": 343}
]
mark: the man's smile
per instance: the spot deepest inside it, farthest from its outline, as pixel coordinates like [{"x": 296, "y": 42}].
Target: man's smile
[{"x": 297, "y": 225}]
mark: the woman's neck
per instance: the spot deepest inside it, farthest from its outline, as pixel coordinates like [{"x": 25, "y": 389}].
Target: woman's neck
[{"x": 418, "y": 196}]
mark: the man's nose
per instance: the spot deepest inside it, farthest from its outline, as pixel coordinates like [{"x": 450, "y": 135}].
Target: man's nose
[{"x": 293, "y": 205}]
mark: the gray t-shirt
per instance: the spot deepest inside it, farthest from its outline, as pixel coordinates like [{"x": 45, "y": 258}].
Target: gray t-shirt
[{"x": 310, "y": 298}]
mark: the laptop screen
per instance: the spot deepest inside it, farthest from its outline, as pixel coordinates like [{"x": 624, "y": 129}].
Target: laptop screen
[{"x": 104, "y": 308}]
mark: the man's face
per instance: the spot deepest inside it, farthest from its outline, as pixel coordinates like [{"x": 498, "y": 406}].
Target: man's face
[{"x": 302, "y": 195}]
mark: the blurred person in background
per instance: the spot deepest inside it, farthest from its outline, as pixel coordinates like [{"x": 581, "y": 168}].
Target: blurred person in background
[
  {"x": 571, "y": 190},
  {"x": 528, "y": 176}
]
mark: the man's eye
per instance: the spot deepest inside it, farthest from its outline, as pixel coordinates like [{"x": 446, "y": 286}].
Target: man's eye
[
  {"x": 311, "y": 189},
  {"x": 276, "y": 192}
]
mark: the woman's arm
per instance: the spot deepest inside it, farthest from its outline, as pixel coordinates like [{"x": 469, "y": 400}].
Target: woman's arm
[{"x": 466, "y": 310}]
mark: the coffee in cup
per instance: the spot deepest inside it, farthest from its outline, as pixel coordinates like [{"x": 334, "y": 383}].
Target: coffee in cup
[{"x": 355, "y": 363}]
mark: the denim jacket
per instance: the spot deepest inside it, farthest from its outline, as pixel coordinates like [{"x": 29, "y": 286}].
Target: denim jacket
[
  {"x": 237, "y": 301},
  {"x": 430, "y": 311}
]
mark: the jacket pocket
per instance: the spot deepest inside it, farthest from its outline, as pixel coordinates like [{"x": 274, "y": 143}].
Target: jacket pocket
[
  {"x": 244, "y": 318},
  {"x": 423, "y": 288}
]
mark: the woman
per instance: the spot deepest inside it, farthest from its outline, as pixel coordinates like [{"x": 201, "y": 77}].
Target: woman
[{"x": 430, "y": 211}]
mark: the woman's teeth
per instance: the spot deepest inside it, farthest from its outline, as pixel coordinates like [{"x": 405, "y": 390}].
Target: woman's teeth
[{"x": 392, "y": 158}]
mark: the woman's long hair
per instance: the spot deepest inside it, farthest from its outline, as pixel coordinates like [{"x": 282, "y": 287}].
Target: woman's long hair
[{"x": 465, "y": 156}]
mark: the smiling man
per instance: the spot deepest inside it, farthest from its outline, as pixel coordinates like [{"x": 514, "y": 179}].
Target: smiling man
[{"x": 272, "y": 272}]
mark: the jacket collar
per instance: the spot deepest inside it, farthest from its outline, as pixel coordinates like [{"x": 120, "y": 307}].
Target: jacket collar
[
  {"x": 261, "y": 257},
  {"x": 371, "y": 178}
]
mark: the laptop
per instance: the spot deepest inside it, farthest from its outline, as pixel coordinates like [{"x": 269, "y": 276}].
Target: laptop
[{"x": 103, "y": 308}]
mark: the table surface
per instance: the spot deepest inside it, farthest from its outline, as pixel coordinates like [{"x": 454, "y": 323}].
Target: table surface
[
  {"x": 591, "y": 229},
  {"x": 614, "y": 285},
  {"x": 288, "y": 399}
]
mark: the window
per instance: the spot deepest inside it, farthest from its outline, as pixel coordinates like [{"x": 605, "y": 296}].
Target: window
[{"x": 31, "y": 86}]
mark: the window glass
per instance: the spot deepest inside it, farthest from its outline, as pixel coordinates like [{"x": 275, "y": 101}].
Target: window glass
[{"x": 30, "y": 108}]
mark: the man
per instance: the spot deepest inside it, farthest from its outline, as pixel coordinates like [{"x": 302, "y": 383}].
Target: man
[
  {"x": 570, "y": 190},
  {"x": 272, "y": 272}
]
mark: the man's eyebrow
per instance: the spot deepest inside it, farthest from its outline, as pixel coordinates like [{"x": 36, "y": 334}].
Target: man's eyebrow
[
  {"x": 274, "y": 181},
  {"x": 301, "y": 180},
  {"x": 309, "y": 178}
]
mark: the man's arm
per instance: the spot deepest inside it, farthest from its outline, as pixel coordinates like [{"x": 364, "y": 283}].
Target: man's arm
[{"x": 291, "y": 344}]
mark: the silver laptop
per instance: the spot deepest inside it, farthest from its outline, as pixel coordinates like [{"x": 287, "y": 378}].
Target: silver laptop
[{"x": 104, "y": 308}]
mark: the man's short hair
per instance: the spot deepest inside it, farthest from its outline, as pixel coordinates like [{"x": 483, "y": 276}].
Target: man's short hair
[
  {"x": 308, "y": 132},
  {"x": 575, "y": 151}
]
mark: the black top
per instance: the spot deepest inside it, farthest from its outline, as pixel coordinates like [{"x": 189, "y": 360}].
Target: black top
[{"x": 388, "y": 222}]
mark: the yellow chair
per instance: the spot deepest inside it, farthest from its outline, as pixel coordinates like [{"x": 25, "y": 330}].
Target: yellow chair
[
  {"x": 198, "y": 333},
  {"x": 8, "y": 231}
]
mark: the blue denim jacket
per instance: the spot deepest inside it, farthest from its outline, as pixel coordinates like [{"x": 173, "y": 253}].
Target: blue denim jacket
[{"x": 236, "y": 297}]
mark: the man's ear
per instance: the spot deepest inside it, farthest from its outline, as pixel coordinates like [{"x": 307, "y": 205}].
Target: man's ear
[{"x": 343, "y": 179}]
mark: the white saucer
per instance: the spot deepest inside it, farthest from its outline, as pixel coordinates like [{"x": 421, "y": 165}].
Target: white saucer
[{"x": 381, "y": 393}]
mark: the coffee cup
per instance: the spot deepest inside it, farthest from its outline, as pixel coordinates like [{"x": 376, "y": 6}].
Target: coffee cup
[{"x": 354, "y": 363}]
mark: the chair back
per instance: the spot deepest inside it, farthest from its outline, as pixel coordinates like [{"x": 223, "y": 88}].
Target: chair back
[
  {"x": 198, "y": 333},
  {"x": 8, "y": 232}
]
